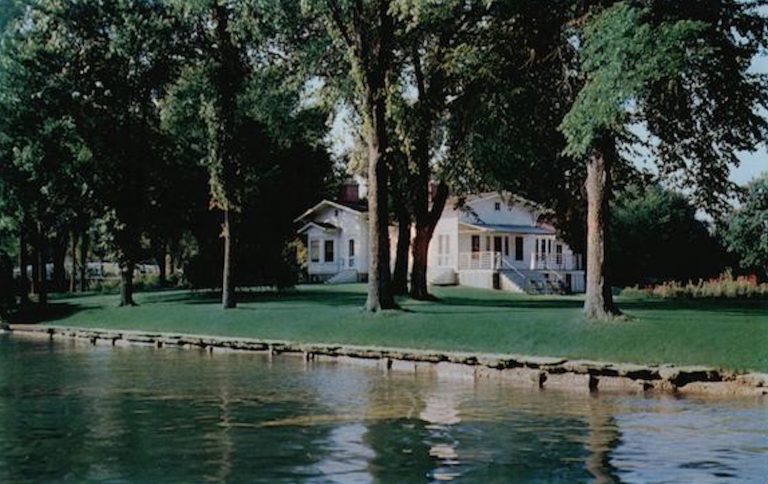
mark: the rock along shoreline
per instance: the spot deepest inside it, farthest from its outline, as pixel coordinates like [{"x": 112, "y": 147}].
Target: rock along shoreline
[{"x": 530, "y": 371}]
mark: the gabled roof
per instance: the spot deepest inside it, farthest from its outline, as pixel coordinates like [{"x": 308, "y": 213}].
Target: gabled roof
[
  {"x": 507, "y": 197},
  {"x": 512, "y": 229},
  {"x": 326, "y": 227},
  {"x": 354, "y": 207}
]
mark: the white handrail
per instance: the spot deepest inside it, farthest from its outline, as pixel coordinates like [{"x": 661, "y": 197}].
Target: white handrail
[
  {"x": 479, "y": 260},
  {"x": 524, "y": 278},
  {"x": 560, "y": 262}
]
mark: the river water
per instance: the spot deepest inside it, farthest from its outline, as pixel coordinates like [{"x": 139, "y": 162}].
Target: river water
[{"x": 73, "y": 412}]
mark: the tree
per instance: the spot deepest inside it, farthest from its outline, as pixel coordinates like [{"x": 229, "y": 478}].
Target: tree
[
  {"x": 125, "y": 75},
  {"x": 655, "y": 236},
  {"x": 362, "y": 32},
  {"x": 239, "y": 110},
  {"x": 44, "y": 159},
  {"x": 682, "y": 74},
  {"x": 746, "y": 233},
  {"x": 482, "y": 91}
]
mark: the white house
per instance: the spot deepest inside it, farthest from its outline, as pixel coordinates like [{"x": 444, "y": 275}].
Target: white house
[
  {"x": 491, "y": 241},
  {"x": 500, "y": 241},
  {"x": 337, "y": 238}
]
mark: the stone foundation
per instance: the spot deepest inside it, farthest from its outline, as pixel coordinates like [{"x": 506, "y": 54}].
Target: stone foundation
[{"x": 528, "y": 371}]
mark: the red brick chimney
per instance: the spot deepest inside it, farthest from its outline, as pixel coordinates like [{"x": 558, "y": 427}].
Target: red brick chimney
[{"x": 350, "y": 192}]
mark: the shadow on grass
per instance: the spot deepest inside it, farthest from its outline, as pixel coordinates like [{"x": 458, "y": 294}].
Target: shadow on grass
[
  {"x": 527, "y": 303},
  {"x": 454, "y": 299},
  {"x": 330, "y": 298},
  {"x": 36, "y": 314}
]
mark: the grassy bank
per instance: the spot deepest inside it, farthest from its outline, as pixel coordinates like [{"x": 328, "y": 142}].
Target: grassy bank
[{"x": 726, "y": 333}]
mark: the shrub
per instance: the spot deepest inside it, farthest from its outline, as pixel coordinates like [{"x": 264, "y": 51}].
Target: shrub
[{"x": 726, "y": 286}]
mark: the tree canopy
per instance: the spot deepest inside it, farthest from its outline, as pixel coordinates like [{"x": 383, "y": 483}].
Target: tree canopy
[{"x": 746, "y": 232}]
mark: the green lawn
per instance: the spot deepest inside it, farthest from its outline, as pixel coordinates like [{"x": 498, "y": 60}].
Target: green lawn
[{"x": 730, "y": 334}]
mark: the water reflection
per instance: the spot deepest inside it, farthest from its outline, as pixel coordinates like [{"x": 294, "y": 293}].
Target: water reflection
[{"x": 79, "y": 413}]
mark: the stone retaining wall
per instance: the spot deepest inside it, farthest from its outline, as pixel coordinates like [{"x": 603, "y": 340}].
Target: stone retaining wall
[{"x": 540, "y": 372}]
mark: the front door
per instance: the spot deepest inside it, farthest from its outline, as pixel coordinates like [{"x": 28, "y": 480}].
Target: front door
[{"x": 497, "y": 243}]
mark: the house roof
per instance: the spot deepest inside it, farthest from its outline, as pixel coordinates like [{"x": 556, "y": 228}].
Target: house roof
[
  {"x": 355, "y": 207},
  {"x": 511, "y": 229},
  {"x": 319, "y": 225},
  {"x": 360, "y": 206},
  {"x": 507, "y": 197}
]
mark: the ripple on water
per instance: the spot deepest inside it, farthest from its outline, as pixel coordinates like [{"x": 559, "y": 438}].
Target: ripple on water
[{"x": 79, "y": 413}]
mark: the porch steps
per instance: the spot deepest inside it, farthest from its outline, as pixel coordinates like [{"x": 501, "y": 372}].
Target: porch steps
[
  {"x": 530, "y": 282},
  {"x": 346, "y": 276}
]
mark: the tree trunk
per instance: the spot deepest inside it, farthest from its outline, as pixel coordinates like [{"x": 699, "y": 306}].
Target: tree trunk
[
  {"x": 35, "y": 282},
  {"x": 420, "y": 253},
  {"x": 376, "y": 64},
  {"x": 126, "y": 284},
  {"x": 400, "y": 274},
  {"x": 426, "y": 221},
  {"x": 23, "y": 279},
  {"x": 58, "y": 255},
  {"x": 42, "y": 270},
  {"x": 227, "y": 286},
  {"x": 160, "y": 259},
  {"x": 73, "y": 255},
  {"x": 379, "y": 278},
  {"x": 598, "y": 303},
  {"x": 228, "y": 82},
  {"x": 83, "y": 261}
]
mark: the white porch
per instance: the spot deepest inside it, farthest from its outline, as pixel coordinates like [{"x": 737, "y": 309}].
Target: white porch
[
  {"x": 519, "y": 259},
  {"x": 538, "y": 262}
]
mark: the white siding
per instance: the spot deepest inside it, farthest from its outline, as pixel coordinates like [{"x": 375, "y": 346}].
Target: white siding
[
  {"x": 352, "y": 226},
  {"x": 484, "y": 211}
]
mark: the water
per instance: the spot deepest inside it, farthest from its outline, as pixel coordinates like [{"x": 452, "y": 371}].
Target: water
[{"x": 72, "y": 412}]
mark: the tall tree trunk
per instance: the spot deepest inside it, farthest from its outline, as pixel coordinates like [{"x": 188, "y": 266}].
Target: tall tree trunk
[
  {"x": 379, "y": 278},
  {"x": 227, "y": 285},
  {"x": 400, "y": 274},
  {"x": 126, "y": 283},
  {"x": 160, "y": 257},
  {"x": 58, "y": 255},
  {"x": 42, "y": 259},
  {"x": 35, "y": 282},
  {"x": 73, "y": 255},
  {"x": 228, "y": 82},
  {"x": 377, "y": 59},
  {"x": 426, "y": 221},
  {"x": 23, "y": 279},
  {"x": 83, "y": 261},
  {"x": 598, "y": 302}
]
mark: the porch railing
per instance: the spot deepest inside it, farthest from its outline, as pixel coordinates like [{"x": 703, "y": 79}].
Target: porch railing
[
  {"x": 479, "y": 260},
  {"x": 556, "y": 262},
  {"x": 495, "y": 261}
]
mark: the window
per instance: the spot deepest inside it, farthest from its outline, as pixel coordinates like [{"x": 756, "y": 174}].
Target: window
[
  {"x": 314, "y": 250},
  {"x": 336, "y": 213},
  {"x": 488, "y": 243},
  {"x": 351, "y": 253},
  {"x": 475, "y": 243},
  {"x": 497, "y": 206},
  {"x": 506, "y": 245},
  {"x": 518, "y": 248},
  {"x": 443, "y": 249},
  {"x": 328, "y": 251}
]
